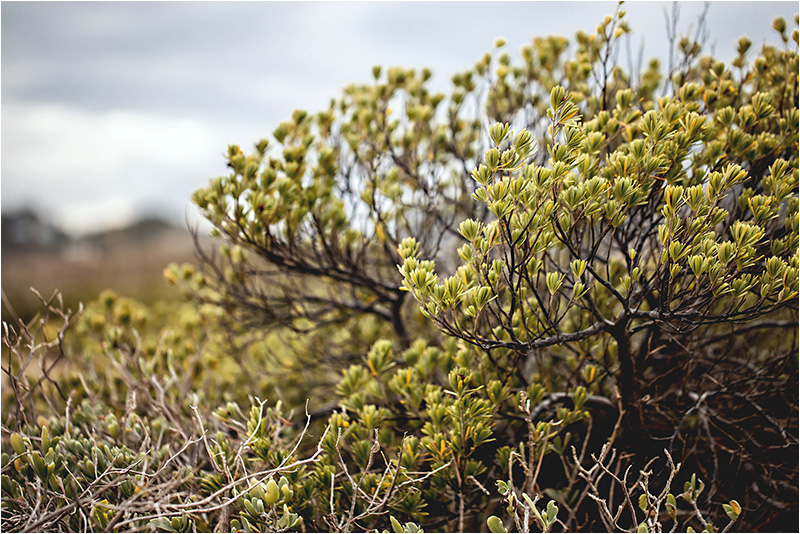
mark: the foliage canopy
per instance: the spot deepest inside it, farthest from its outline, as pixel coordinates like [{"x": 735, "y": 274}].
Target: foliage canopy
[{"x": 597, "y": 268}]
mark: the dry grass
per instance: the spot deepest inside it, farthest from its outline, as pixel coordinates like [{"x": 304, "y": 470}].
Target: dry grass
[{"x": 131, "y": 264}]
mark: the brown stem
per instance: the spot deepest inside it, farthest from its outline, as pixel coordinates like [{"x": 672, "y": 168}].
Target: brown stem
[
  {"x": 398, "y": 324},
  {"x": 622, "y": 336}
]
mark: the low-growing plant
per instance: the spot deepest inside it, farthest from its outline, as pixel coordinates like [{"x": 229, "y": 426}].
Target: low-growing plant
[{"x": 598, "y": 274}]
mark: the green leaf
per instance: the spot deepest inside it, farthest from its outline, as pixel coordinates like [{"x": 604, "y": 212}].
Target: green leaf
[
  {"x": 643, "y": 502},
  {"x": 495, "y": 524},
  {"x": 395, "y": 524}
]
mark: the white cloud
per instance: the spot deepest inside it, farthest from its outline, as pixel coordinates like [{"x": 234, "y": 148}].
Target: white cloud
[
  {"x": 126, "y": 106},
  {"x": 94, "y": 169}
]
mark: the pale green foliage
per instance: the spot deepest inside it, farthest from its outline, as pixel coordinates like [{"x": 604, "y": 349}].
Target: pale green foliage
[
  {"x": 545, "y": 213},
  {"x": 581, "y": 263}
]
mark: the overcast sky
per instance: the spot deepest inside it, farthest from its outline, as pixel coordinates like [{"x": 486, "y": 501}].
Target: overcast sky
[{"x": 113, "y": 110}]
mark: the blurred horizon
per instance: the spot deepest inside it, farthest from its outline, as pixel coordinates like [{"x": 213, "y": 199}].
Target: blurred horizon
[{"x": 115, "y": 112}]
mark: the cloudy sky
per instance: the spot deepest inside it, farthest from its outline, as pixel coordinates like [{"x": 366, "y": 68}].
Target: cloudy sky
[{"x": 114, "y": 110}]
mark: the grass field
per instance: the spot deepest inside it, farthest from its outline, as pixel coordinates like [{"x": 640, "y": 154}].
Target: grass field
[{"x": 129, "y": 260}]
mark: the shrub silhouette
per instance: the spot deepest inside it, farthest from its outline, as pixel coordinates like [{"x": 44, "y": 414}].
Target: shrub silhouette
[{"x": 596, "y": 302}]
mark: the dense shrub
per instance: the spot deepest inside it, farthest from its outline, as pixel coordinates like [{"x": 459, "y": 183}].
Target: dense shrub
[{"x": 593, "y": 327}]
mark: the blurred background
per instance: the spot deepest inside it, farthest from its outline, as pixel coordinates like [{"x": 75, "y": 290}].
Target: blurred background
[{"x": 113, "y": 113}]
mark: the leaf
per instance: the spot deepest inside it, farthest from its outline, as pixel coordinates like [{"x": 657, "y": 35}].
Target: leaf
[
  {"x": 495, "y": 524},
  {"x": 396, "y": 524},
  {"x": 732, "y": 510}
]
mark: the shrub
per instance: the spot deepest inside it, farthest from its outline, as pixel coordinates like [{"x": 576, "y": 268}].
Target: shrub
[{"x": 598, "y": 282}]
